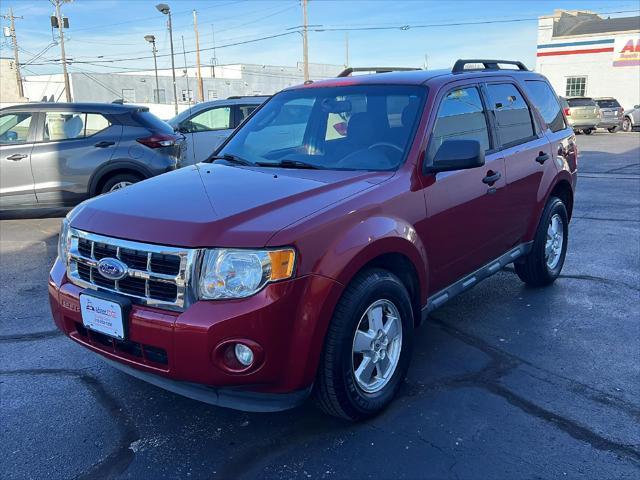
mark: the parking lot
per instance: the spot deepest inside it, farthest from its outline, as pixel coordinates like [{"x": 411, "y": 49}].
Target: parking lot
[{"x": 506, "y": 381}]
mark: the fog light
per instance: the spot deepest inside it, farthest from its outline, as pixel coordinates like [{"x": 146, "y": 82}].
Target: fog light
[{"x": 243, "y": 354}]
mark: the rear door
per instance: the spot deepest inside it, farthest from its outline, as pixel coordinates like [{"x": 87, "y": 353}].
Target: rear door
[
  {"x": 205, "y": 130},
  {"x": 70, "y": 146},
  {"x": 465, "y": 208},
  {"x": 17, "y": 130},
  {"x": 527, "y": 155}
]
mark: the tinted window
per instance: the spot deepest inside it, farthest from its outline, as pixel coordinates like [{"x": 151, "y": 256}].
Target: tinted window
[
  {"x": 149, "y": 120},
  {"x": 609, "y": 103},
  {"x": 512, "y": 114},
  {"x": 461, "y": 116},
  {"x": 212, "y": 119},
  {"x": 546, "y": 102},
  {"x": 14, "y": 127},
  {"x": 302, "y": 125},
  {"x": 581, "y": 102}
]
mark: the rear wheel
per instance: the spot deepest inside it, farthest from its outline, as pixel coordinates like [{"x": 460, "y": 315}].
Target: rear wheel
[
  {"x": 612, "y": 129},
  {"x": 588, "y": 131},
  {"x": 119, "y": 181},
  {"x": 626, "y": 125},
  {"x": 544, "y": 262},
  {"x": 367, "y": 348}
]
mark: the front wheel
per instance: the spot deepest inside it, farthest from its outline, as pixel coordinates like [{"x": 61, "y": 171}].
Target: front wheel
[
  {"x": 588, "y": 131},
  {"x": 626, "y": 125},
  {"x": 367, "y": 348},
  {"x": 542, "y": 265}
]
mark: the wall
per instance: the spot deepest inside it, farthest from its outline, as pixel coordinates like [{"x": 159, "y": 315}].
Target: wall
[{"x": 8, "y": 83}]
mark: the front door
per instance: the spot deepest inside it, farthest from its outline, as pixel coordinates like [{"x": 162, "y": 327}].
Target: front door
[
  {"x": 463, "y": 228},
  {"x": 205, "y": 131},
  {"x": 16, "y": 142}
]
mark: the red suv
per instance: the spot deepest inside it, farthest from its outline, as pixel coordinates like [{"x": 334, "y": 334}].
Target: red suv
[{"x": 302, "y": 255}]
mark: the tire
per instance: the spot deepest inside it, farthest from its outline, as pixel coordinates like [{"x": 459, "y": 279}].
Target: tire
[
  {"x": 337, "y": 390},
  {"x": 612, "y": 129},
  {"x": 123, "y": 179},
  {"x": 536, "y": 269},
  {"x": 627, "y": 126},
  {"x": 588, "y": 131}
]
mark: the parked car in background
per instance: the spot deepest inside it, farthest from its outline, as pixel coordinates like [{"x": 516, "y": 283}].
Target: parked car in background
[
  {"x": 610, "y": 113},
  {"x": 206, "y": 125},
  {"x": 583, "y": 114},
  {"x": 631, "y": 119},
  {"x": 305, "y": 265},
  {"x": 57, "y": 154}
]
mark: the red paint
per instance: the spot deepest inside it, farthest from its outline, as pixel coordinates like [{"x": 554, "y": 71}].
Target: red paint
[
  {"x": 575, "y": 52},
  {"x": 445, "y": 225}
]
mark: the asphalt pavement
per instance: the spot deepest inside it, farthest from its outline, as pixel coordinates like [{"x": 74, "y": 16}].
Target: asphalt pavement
[{"x": 506, "y": 381}]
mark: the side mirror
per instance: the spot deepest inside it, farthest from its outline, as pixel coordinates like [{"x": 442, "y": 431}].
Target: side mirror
[
  {"x": 457, "y": 155},
  {"x": 636, "y": 106}
]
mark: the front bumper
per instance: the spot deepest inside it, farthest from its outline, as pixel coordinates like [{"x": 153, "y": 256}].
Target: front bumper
[{"x": 178, "y": 350}]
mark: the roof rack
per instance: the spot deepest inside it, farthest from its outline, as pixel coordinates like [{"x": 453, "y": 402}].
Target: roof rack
[
  {"x": 348, "y": 71},
  {"x": 487, "y": 64}
]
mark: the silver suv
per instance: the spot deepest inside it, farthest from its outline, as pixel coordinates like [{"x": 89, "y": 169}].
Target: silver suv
[
  {"x": 631, "y": 119},
  {"x": 206, "y": 125},
  {"x": 58, "y": 154}
]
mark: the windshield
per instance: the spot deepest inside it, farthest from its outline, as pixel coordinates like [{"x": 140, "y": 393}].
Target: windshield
[{"x": 344, "y": 128}]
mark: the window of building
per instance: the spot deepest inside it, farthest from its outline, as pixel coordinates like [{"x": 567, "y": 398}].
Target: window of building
[
  {"x": 512, "y": 114},
  {"x": 72, "y": 125},
  {"x": 187, "y": 95},
  {"x": 159, "y": 96},
  {"x": 212, "y": 119},
  {"x": 14, "y": 127},
  {"x": 547, "y": 104},
  {"x": 461, "y": 116},
  {"x": 128, "y": 94},
  {"x": 576, "y": 86},
  {"x": 212, "y": 94}
]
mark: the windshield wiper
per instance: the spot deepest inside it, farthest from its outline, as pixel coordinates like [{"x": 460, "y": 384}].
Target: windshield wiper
[
  {"x": 287, "y": 163},
  {"x": 232, "y": 159}
]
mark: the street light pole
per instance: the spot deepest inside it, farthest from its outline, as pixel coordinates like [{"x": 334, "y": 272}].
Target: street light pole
[
  {"x": 305, "y": 46},
  {"x": 63, "y": 57},
  {"x": 152, "y": 40},
  {"x": 164, "y": 9}
]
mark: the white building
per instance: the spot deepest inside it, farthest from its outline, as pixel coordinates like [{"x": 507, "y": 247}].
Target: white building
[{"x": 583, "y": 54}]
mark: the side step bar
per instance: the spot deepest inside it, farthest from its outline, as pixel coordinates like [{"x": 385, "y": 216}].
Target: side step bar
[{"x": 438, "y": 299}]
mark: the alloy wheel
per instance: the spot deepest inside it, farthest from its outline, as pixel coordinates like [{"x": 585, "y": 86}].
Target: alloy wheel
[
  {"x": 119, "y": 186},
  {"x": 555, "y": 241}
]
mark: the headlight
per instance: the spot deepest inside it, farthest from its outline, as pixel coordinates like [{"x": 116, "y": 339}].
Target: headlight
[
  {"x": 63, "y": 240},
  {"x": 236, "y": 273}
]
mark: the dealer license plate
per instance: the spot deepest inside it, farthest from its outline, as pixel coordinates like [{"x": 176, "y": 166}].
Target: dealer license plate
[{"x": 104, "y": 316}]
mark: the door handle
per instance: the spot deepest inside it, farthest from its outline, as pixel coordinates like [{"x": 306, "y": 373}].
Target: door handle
[
  {"x": 491, "y": 177},
  {"x": 542, "y": 157},
  {"x": 16, "y": 156},
  {"x": 104, "y": 144}
]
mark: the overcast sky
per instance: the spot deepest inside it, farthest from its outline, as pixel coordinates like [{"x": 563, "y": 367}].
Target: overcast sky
[{"x": 114, "y": 29}]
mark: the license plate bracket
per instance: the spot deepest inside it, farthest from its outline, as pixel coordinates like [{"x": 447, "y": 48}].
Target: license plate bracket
[{"x": 105, "y": 313}]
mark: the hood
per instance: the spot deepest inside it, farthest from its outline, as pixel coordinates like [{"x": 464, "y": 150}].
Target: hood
[{"x": 217, "y": 205}]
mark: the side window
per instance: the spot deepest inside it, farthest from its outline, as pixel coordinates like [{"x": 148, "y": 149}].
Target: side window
[
  {"x": 245, "y": 111},
  {"x": 14, "y": 127},
  {"x": 212, "y": 119},
  {"x": 461, "y": 116},
  {"x": 512, "y": 114},
  {"x": 547, "y": 103},
  {"x": 72, "y": 125}
]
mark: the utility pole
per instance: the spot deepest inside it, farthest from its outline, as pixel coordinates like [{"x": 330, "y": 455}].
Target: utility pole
[
  {"x": 198, "y": 72},
  {"x": 63, "y": 57},
  {"x": 165, "y": 10},
  {"x": 186, "y": 71},
  {"x": 214, "y": 60},
  {"x": 305, "y": 45},
  {"x": 346, "y": 49},
  {"x": 14, "y": 42},
  {"x": 152, "y": 40}
]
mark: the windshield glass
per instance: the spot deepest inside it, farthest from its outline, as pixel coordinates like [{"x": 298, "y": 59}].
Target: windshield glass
[{"x": 365, "y": 127}]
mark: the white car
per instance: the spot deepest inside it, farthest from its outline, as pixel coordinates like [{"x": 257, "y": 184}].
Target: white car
[{"x": 206, "y": 125}]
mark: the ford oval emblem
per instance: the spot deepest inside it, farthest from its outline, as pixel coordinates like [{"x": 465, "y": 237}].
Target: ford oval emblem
[{"x": 112, "y": 268}]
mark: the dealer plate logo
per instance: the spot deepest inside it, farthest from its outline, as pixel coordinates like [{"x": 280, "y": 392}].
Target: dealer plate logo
[{"x": 112, "y": 268}]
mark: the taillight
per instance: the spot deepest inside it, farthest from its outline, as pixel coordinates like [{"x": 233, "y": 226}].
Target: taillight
[
  {"x": 567, "y": 112},
  {"x": 158, "y": 140}
]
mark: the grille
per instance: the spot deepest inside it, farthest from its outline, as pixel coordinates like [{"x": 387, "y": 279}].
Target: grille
[{"x": 156, "y": 275}]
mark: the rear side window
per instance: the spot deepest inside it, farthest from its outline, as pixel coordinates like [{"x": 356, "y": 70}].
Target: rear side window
[
  {"x": 581, "y": 102},
  {"x": 461, "y": 116},
  {"x": 608, "y": 103},
  {"x": 14, "y": 127},
  {"x": 150, "y": 121},
  {"x": 547, "y": 104},
  {"x": 72, "y": 125},
  {"x": 512, "y": 114}
]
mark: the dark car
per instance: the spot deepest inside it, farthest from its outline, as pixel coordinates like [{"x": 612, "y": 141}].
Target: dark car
[
  {"x": 295, "y": 264},
  {"x": 57, "y": 154},
  {"x": 611, "y": 114}
]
